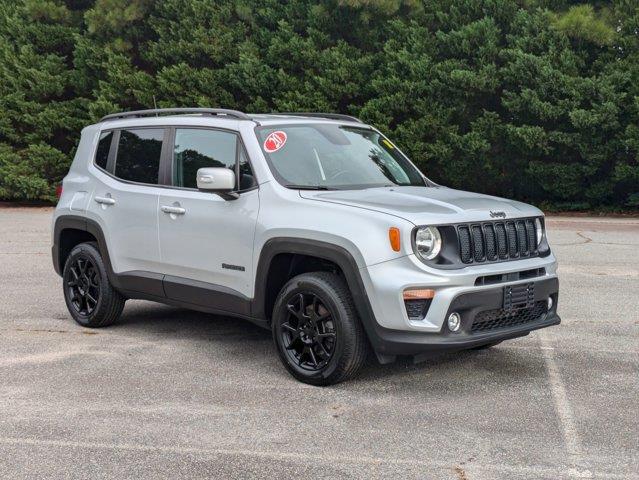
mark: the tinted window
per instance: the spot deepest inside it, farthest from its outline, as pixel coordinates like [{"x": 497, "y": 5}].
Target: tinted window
[
  {"x": 138, "y": 157},
  {"x": 102, "y": 152},
  {"x": 198, "y": 148}
]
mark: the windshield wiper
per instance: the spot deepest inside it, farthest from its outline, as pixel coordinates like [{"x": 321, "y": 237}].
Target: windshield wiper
[{"x": 309, "y": 187}]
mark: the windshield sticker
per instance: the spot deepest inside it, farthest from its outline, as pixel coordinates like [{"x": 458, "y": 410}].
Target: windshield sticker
[
  {"x": 275, "y": 141},
  {"x": 387, "y": 143}
]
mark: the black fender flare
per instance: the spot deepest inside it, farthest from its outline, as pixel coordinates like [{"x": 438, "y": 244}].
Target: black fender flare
[
  {"x": 326, "y": 251},
  {"x": 77, "y": 222}
]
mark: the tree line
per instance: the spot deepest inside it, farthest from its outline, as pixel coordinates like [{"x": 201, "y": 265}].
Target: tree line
[{"x": 532, "y": 99}]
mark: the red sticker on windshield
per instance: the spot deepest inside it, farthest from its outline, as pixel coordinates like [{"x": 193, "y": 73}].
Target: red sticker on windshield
[{"x": 275, "y": 141}]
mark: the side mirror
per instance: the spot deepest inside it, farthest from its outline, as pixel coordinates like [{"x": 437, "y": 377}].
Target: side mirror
[{"x": 217, "y": 180}]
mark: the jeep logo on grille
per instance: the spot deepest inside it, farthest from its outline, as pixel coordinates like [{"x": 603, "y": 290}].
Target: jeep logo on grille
[{"x": 497, "y": 214}]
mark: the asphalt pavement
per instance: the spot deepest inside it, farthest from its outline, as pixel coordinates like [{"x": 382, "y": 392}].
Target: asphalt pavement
[{"x": 169, "y": 393}]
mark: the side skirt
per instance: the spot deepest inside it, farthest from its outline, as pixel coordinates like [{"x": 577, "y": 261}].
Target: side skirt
[{"x": 186, "y": 293}]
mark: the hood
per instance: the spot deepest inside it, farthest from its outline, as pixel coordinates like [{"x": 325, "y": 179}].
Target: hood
[{"x": 427, "y": 205}]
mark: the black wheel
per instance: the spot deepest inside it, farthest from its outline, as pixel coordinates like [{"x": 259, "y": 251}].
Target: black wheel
[
  {"x": 90, "y": 298},
  {"x": 486, "y": 346},
  {"x": 316, "y": 330}
]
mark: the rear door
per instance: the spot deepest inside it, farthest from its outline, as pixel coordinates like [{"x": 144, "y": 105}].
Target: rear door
[
  {"x": 125, "y": 199},
  {"x": 206, "y": 241}
]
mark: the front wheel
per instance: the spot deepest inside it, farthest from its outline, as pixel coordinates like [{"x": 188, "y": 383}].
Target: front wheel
[{"x": 318, "y": 335}]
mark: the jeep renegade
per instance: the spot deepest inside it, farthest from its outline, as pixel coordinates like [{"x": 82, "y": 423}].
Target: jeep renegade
[{"x": 313, "y": 225}]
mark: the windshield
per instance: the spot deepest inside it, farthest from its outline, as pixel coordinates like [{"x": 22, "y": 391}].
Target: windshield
[{"x": 330, "y": 156}]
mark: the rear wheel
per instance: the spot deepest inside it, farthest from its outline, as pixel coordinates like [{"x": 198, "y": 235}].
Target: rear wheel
[
  {"x": 90, "y": 297},
  {"x": 318, "y": 335}
]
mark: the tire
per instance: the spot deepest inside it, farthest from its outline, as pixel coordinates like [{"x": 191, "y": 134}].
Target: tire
[
  {"x": 319, "y": 342},
  {"x": 90, "y": 297}
]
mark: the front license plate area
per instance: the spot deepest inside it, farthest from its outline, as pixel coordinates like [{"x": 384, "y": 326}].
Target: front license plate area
[{"x": 519, "y": 296}]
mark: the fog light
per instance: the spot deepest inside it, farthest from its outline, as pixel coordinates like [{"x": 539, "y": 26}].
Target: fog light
[
  {"x": 454, "y": 322},
  {"x": 549, "y": 303}
]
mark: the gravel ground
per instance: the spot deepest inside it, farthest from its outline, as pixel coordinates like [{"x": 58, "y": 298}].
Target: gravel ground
[{"x": 170, "y": 393}]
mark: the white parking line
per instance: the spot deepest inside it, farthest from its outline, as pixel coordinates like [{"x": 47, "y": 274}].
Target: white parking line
[{"x": 564, "y": 410}]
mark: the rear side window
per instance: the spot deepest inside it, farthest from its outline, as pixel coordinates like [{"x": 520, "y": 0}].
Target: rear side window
[
  {"x": 102, "y": 152},
  {"x": 138, "y": 155},
  {"x": 198, "y": 148}
]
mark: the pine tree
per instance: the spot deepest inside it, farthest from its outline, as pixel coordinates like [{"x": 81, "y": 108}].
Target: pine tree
[{"x": 536, "y": 100}]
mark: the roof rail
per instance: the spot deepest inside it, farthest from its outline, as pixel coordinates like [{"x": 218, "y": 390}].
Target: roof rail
[
  {"x": 332, "y": 116},
  {"x": 177, "y": 111}
]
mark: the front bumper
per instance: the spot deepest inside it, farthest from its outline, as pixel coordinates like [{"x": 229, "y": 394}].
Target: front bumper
[
  {"x": 469, "y": 306},
  {"x": 392, "y": 332},
  {"x": 385, "y": 283}
]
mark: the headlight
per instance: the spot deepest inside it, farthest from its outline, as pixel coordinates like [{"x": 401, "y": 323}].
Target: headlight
[
  {"x": 539, "y": 228},
  {"x": 428, "y": 242}
]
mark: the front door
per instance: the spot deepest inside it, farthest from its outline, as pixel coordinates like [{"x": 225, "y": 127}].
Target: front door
[{"x": 206, "y": 242}]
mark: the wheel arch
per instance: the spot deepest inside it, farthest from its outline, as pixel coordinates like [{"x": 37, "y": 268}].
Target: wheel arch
[
  {"x": 71, "y": 230},
  {"x": 276, "y": 247}
]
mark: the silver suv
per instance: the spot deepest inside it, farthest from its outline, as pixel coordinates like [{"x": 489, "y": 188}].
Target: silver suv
[{"x": 313, "y": 225}]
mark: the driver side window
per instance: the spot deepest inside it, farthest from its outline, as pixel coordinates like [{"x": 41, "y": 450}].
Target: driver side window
[{"x": 197, "y": 148}]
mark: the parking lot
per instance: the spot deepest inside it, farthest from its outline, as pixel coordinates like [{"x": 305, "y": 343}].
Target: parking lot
[{"x": 170, "y": 393}]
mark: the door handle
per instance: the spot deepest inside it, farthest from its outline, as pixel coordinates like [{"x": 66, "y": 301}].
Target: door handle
[
  {"x": 105, "y": 200},
  {"x": 173, "y": 210}
]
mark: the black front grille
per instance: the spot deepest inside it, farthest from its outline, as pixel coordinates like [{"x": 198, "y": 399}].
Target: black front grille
[
  {"x": 491, "y": 242},
  {"x": 501, "y": 240},
  {"x": 464, "y": 243},
  {"x": 522, "y": 239},
  {"x": 511, "y": 239},
  {"x": 502, "y": 318},
  {"x": 478, "y": 243},
  {"x": 496, "y": 241}
]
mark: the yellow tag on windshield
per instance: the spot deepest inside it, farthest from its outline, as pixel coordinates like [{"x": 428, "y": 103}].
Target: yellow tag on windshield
[{"x": 387, "y": 144}]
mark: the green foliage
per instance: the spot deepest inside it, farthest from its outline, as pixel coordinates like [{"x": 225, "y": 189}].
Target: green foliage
[
  {"x": 581, "y": 22},
  {"x": 535, "y": 99}
]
